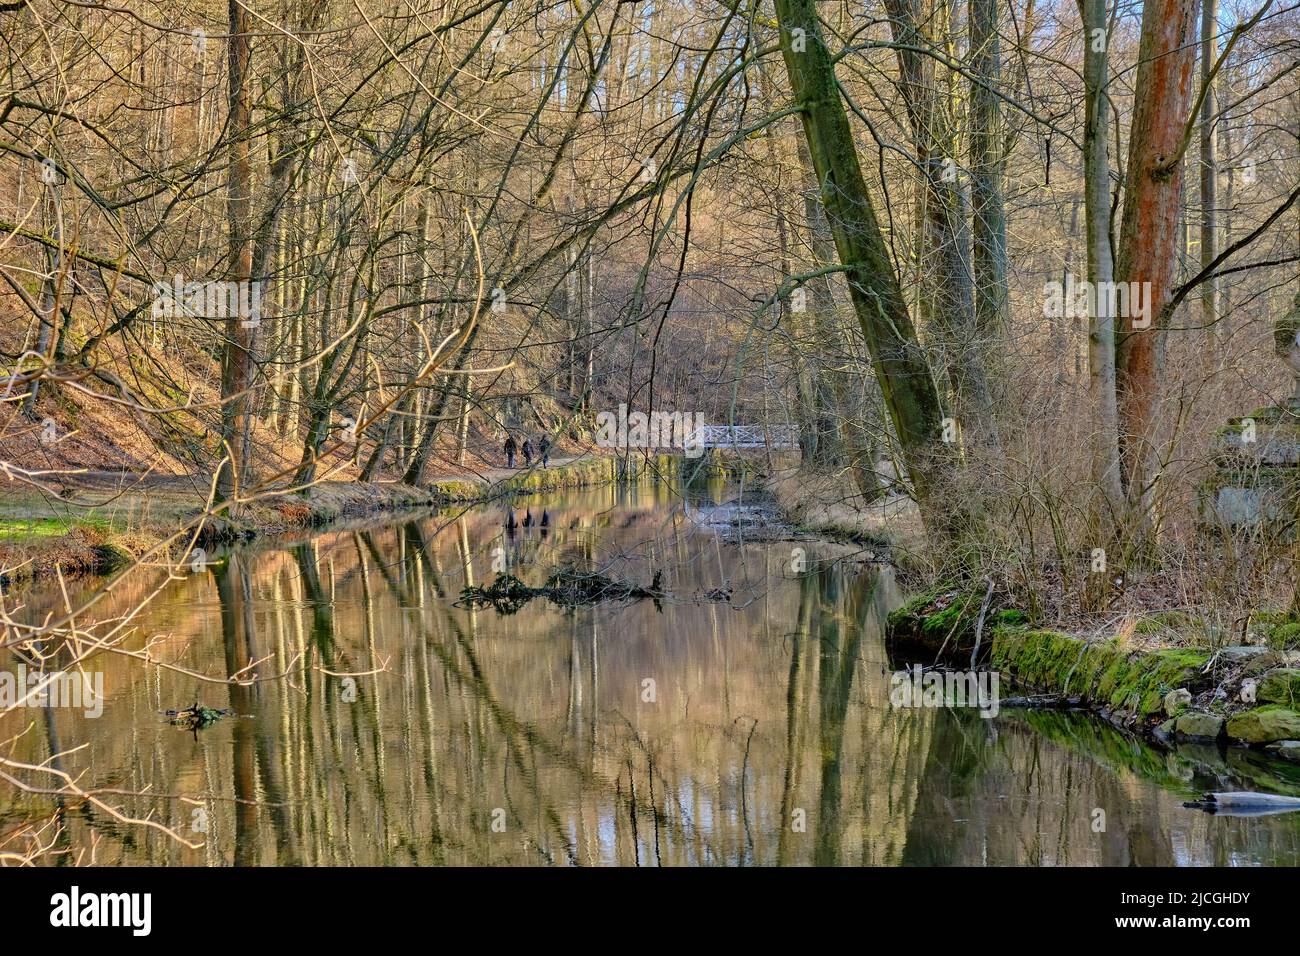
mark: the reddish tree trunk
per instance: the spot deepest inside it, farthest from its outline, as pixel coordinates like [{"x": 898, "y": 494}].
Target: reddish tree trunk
[{"x": 1148, "y": 246}]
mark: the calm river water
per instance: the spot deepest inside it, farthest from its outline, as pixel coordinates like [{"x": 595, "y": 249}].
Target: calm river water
[{"x": 389, "y": 725}]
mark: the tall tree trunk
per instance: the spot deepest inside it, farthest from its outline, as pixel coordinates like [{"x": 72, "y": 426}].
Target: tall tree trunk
[
  {"x": 589, "y": 328},
  {"x": 51, "y": 296},
  {"x": 1101, "y": 267},
  {"x": 877, "y": 297},
  {"x": 854, "y": 433},
  {"x": 237, "y": 354},
  {"x": 989, "y": 233},
  {"x": 814, "y": 443},
  {"x": 416, "y": 471},
  {"x": 392, "y": 423},
  {"x": 1148, "y": 245},
  {"x": 949, "y": 306},
  {"x": 1209, "y": 173},
  {"x": 1224, "y": 328},
  {"x": 462, "y": 430}
]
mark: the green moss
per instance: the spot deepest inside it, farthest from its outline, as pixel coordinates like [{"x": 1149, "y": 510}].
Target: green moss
[
  {"x": 1011, "y": 617},
  {"x": 1172, "y": 669},
  {"x": 1198, "y": 725},
  {"x": 944, "y": 613},
  {"x": 1264, "y": 725},
  {"x": 1285, "y": 636},
  {"x": 1281, "y": 686},
  {"x": 1098, "y": 671},
  {"x": 457, "y": 490},
  {"x": 949, "y": 613},
  {"x": 953, "y": 620},
  {"x": 1269, "y": 617}
]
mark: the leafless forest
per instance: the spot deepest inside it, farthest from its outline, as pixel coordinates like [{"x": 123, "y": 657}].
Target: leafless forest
[{"x": 1023, "y": 276}]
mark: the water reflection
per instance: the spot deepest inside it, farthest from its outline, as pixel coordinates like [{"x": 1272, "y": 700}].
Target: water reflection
[{"x": 380, "y": 724}]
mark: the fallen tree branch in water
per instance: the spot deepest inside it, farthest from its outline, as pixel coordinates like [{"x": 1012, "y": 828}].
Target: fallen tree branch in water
[
  {"x": 1041, "y": 702},
  {"x": 1245, "y": 804},
  {"x": 566, "y": 586}
]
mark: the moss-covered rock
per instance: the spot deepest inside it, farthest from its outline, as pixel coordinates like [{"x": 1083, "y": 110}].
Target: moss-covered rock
[
  {"x": 1262, "y": 663},
  {"x": 1264, "y": 725},
  {"x": 1010, "y": 617},
  {"x": 1281, "y": 686},
  {"x": 1196, "y": 725},
  {"x": 1177, "y": 701},
  {"x": 457, "y": 491},
  {"x": 1099, "y": 672}
]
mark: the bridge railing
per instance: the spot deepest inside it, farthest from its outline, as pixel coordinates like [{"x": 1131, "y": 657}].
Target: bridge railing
[{"x": 745, "y": 436}]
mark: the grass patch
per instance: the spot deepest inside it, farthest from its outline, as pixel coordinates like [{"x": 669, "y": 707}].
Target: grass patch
[{"x": 44, "y": 529}]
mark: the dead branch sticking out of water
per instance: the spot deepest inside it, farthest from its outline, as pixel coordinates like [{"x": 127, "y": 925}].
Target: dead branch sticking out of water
[{"x": 566, "y": 586}]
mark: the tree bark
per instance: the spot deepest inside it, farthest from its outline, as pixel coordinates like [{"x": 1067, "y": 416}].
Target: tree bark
[
  {"x": 949, "y": 312},
  {"x": 237, "y": 353},
  {"x": 51, "y": 289},
  {"x": 1101, "y": 266},
  {"x": 1209, "y": 172},
  {"x": 877, "y": 297},
  {"x": 1148, "y": 246},
  {"x": 989, "y": 232},
  {"x": 854, "y": 434}
]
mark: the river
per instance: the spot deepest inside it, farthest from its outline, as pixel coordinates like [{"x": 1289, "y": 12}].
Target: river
[{"x": 745, "y": 719}]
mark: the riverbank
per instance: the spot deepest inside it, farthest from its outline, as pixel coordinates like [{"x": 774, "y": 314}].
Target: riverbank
[
  {"x": 579, "y": 471},
  {"x": 1195, "y": 689},
  {"x": 821, "y": 505},
  {"x": 96, "y": 522}
]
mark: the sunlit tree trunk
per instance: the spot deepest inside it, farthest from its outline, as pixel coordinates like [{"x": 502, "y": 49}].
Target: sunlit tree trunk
[
  {"x": 237, "y": 352},
  {"x": 51, "y": 294},
  {"x": 854, "y": 433}
]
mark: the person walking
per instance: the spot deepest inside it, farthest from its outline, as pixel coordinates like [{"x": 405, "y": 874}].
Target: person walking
[
  {"x": 528, "y": 452},
  {"x": 544, "y": 446},
  {"x": 510, "y": 450}
]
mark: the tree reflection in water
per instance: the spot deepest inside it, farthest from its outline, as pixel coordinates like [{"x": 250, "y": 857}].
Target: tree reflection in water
[{"x": 380, "y": 724}]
